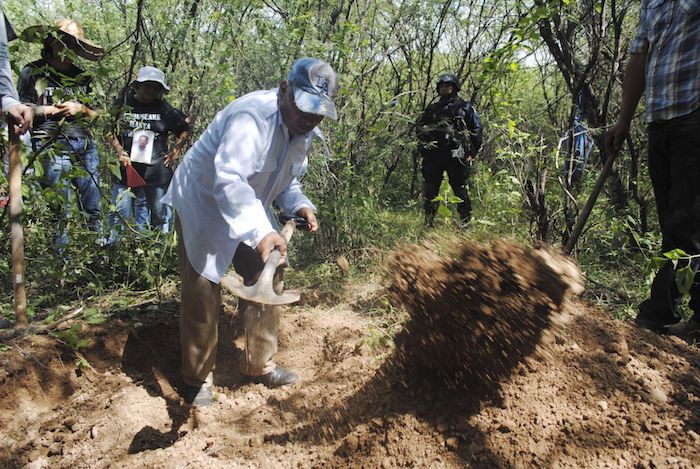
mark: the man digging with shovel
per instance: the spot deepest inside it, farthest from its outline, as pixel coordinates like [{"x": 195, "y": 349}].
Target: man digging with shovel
[{"x": 250, "y": 156}]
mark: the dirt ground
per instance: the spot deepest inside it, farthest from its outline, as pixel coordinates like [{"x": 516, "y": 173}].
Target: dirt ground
[{"x": 586, "y": 391}]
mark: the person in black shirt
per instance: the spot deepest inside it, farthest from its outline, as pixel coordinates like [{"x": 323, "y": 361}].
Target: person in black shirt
[
  {"x": 450, "y": 136},
  {"x": 148, "y": 120},
  {"x": 59, "y": 92}
]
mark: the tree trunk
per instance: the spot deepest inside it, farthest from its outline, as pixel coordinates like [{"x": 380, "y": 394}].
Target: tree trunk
[{"x": 16, "y": 233}]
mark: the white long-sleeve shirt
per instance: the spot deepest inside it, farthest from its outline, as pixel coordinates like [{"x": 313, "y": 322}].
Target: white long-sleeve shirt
[
  {"x": 227, "y": 181},
  {"x": 8, "y": 93}
]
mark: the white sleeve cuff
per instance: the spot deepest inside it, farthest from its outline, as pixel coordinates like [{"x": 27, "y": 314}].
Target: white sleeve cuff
[
  {"x": 8, "y": 102},
  {"x": 299, "y": 206}
]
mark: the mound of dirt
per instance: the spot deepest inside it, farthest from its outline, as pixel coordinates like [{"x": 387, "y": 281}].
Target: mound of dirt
[
  {"x": 476, "y": 311},
  {"x": 608, "y": 395}
]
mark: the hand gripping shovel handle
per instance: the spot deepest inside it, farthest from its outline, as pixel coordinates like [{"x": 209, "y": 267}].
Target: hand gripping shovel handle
[
  {"x": 262, "y": 291},
  {"x": 274, "y": 259}
]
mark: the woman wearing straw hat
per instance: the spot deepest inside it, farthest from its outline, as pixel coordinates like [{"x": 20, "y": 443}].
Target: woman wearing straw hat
[{"x": 59, "y": 91}]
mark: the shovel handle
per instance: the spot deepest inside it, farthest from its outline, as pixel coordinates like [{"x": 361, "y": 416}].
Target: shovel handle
[
  {"x": 275, "y": 256},
  {"x": 261, "y": 291},
  {"x": 288, "y": 229}
]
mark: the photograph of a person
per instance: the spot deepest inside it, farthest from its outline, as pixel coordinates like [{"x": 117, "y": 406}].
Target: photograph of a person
[{"x": 142, "y": 147}]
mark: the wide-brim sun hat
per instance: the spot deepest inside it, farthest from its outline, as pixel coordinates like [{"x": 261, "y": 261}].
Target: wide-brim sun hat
[
  {"x": 315, "y": 86},
  {"x": 153, "y": 74},
  {"x": 69, "y": 32}
]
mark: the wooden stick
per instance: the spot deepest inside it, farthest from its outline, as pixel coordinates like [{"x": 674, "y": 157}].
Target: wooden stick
[
  {"x": 578, "y": 228},
  {"x": 18, "y": 332},
  {"x": 16, "y": 233},
  {"x": 288, "y": 230}
]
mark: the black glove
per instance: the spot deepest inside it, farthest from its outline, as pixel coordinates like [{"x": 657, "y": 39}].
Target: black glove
[{"x": 300, "y": 222}]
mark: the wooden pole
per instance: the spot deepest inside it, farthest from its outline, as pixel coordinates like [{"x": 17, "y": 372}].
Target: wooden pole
[
  {"x": 578, "y": 228},
  {"x": 16, "y": 233}
]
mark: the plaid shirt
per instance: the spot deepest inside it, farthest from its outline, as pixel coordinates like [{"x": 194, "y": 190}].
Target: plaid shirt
[{"x": 670, "y": 29}]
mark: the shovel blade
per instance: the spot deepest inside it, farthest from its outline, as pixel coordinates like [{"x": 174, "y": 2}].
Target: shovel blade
[
  {"x": 253, "y": 293},
  {"x": 287, "y": 297}
]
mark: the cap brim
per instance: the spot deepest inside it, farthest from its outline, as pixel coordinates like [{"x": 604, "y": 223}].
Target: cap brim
[
  {"x": 81, "y": 47},
  {"x": 165, "y": 87},
  {"x": 314, "y": 103}
]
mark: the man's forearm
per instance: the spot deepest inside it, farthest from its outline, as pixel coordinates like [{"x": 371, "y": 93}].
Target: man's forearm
[
  {"x": 181, "y": 139},
  {"x": 632, "y": 86},
  {"x": 115, "y": 144},
  {"x": 8, "y": 93},
  {"x": 90, "y": 113},
  {"x": 45, "y": 111}
]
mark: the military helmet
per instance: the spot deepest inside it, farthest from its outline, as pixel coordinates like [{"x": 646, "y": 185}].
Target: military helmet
[{"x": 449, "y": 78}]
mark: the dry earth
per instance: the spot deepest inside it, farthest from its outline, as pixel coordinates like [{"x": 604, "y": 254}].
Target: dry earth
[{"x": 588, "y": 392}]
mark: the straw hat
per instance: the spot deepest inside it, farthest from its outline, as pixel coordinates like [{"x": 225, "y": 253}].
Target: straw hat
[{"x": 70, "y": 33}]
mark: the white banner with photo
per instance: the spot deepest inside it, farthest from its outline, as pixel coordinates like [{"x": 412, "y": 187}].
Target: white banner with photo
[{"x": 142, "y": 146}]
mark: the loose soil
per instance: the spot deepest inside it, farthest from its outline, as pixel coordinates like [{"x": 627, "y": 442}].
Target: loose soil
[{"x": 495, "y": 366}]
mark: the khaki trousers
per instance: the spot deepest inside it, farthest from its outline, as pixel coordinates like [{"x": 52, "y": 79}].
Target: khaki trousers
[{"x": 199, "y": 318}]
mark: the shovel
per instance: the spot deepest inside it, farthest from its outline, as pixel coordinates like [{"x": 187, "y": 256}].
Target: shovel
[
  {"x": 578, "y": 228},
  {"x": 262, "y": 291}
]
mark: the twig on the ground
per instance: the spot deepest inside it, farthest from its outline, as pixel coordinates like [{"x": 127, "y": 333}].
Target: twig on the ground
[
  {"x": 612, "y": 291},
  {"x": 40, "y": 329},
  {"x": 26, "y": 354},
  {"x": 382, "y": 330}
]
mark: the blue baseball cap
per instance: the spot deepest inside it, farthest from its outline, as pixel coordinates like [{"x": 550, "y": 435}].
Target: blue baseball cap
[{"x": 315, "y": 86}]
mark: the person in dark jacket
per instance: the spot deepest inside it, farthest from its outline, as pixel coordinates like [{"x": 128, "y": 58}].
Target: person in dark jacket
[{"x": 450, "y": 136}]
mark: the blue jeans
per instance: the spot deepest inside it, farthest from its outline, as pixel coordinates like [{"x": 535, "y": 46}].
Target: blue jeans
[
  {"x": 145, "y": 207},
  {"x": 161, "y": 215},
  {"x": 129, "y": 202},
  {"x": 66, "y": 153}
]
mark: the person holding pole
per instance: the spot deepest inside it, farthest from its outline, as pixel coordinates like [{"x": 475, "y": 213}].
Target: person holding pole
[
  {"x": 21, "y": 114},
  {"x": 664, "y": 64},
  {"x": 20, "y": 119}
]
